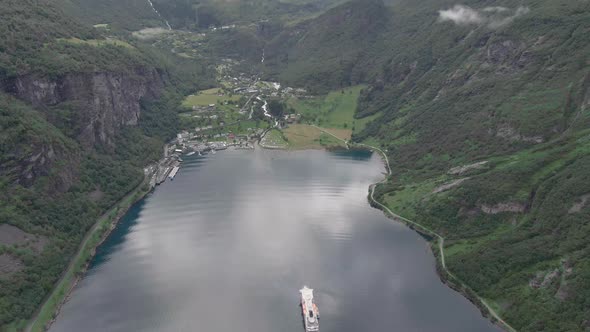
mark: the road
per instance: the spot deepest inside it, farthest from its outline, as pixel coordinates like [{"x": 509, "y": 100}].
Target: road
[
  {"x": 75, "y": 260},
  {"x": 329, "y": 133},
  {"x": 441, "y": 240}
]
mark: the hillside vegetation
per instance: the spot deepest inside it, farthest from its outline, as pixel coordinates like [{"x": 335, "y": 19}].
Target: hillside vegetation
[
  {"x": 82, "y": 111},
  {"x": 482, "y": 106},
  {"x": 485, "y": 120}
]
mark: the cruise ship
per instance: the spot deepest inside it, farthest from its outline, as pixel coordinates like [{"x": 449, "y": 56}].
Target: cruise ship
[{"x": 311, "y": 314}]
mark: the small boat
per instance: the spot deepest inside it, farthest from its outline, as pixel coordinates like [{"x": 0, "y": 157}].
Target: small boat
[
  {"x": 190, "y": 153},
  {"x": 310, "y": 311}
]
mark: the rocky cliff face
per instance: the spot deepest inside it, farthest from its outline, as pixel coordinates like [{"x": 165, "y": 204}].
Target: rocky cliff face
[
  {"x": 103, "y": 102},
  {"x": 45, "y": 158},
  {"x": 98, "y": 105}
]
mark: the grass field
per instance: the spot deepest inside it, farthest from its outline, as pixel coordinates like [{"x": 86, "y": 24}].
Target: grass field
[
  {"x": 241, "y": 128},
  {"x": 274, "y": 139},
  {"x": 334, "y": 110},
  {"x": 301, "y": 136},
  {"x": 404, "y": 201},
  {"x": 360, "y": 124},
  {"x": 207, "y": 97},
  {"x": 96, "y": 42}
]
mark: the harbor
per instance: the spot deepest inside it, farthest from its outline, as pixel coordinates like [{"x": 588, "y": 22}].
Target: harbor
[{"x": 190, "y": 144}]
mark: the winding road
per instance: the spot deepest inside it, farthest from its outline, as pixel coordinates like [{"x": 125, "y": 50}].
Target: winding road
[{"x": 441, "y": 240}]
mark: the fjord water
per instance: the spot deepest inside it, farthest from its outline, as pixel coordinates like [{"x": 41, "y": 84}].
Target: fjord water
[{"x": 227, "y": 244}]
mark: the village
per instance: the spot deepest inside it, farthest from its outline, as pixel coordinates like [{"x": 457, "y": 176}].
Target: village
[{"x": 236, "y": 116}]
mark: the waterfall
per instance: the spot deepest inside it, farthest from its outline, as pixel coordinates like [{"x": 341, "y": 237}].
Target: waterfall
[{"x": 158, "y": 13}]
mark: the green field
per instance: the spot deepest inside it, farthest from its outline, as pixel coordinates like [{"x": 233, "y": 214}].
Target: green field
[
  {"x": 301, "y": 137},
  {"x": 96, "y": 42},
  {"x": 404, "y": 201},
  {"x": 208, "y": 97},
  {"x": 334, "y": 110},
  {"x": 274, "y": 138},
  {"x": 360, "y": 124}
]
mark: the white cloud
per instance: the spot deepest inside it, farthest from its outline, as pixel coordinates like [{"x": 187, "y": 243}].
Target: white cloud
[
  {"x": 494, "y": 17},
  {"x": 461, "y": 15},
  {"x": 498, "y": 9}
]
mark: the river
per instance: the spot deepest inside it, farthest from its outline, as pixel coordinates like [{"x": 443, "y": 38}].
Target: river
[{"x": 227, "y": 244}]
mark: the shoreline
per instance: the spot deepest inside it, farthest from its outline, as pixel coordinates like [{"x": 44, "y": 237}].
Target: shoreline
[
  {"x": 79, "y": 264},
  {"x": 48, "y": 311},
  {"x": 445, "y": 275}
]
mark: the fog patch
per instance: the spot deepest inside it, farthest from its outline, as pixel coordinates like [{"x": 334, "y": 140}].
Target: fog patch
[
  {"x": 461, "y": 15},
  {"x": 149, "y": 33},
  {"x": 493, "y": 17},
  {"x": 496, "y": 9}
]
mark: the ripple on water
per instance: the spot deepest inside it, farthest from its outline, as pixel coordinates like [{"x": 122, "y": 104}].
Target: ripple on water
[{"x": 227, "y": 244}]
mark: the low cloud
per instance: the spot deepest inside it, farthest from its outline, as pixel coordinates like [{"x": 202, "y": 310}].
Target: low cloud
[
  {"x": 461, "y": 15},
  {"x": 497, "y": 9},
  {"x": 150, "y": 33},
  {"x": 493, "y": 17}
]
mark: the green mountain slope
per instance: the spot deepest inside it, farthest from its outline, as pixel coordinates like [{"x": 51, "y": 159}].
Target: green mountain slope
[
  {"x": 81, "y": 113},
  {"x": 483, "y": 108},
  {"x": 508, "y": 86},
  {"x": 325, "y": 52},
  {"x": 121, "y": 14}
]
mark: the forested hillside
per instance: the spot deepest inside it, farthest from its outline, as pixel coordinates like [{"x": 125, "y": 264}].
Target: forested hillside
[
  {"x": 483, "y": 109},
  {"x": 482, "y": 106},
  {"x": 190, "y": 14},
  {"x": 82, "y": 111}
]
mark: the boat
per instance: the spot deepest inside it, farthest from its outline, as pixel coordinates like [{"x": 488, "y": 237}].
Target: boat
[
  {"x": 310, "y": 311},
  {"x": 173, "y": 172},
  {"x": 190, "y": 153}
]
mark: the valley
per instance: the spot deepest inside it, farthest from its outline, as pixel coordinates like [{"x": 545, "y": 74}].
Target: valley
[{"x": 480, "y": 108}]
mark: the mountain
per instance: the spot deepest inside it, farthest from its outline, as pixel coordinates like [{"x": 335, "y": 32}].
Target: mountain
[
  {"x": 483, "y": 110},
  {"x": 82, "y": 112},
  {"x": 482, "y": 106},
  {"x": 325, "y": 52},
  {"x": 188, "y": 14},
  {"x": 119, "y": 14}
]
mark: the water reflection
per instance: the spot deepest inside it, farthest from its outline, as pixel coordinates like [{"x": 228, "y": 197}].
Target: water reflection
[{"x": 228, "y": 243}]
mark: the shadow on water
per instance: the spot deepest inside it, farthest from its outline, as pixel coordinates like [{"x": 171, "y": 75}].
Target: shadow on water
[
  {"x": 352, "y": 154},
  {"x": 113, "y": 242}
]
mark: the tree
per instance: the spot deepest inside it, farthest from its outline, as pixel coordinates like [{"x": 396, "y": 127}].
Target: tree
[{"x": 276, "y": 108}]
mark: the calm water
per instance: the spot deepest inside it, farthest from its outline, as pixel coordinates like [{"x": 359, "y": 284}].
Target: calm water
[{"x": 226, "y": 246}]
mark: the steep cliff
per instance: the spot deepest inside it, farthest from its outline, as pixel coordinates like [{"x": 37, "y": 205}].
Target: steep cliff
[
  {"x": 73, "y": 138},
  {"x": 32, "y": 148},
  {"x": 101, "y": 102}
]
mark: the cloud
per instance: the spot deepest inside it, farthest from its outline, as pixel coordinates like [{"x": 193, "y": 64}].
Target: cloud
[
  {"x": 498, "y": 9},
  {"x": 149, "y": 33},
  {"x": 461, "y": 15},
  {"x": 494, "y": 17}
]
